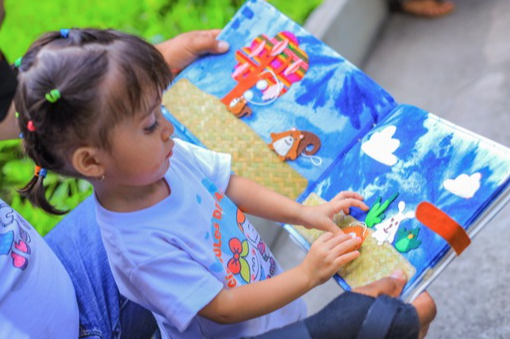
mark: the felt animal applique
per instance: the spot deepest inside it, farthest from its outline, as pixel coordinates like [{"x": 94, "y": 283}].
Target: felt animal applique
[
  {"x": 239, "y": 107},
  {"x": 271, "y": 65},
  {"x": 385, "y": 231},
  {"x": 407, "y": 240},
  {"x": 291, "y": 144},
  {"x": 359, "y": 230}
]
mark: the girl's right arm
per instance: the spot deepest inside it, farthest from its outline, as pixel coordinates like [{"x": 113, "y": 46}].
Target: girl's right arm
[{"x": 327, "y": 254}]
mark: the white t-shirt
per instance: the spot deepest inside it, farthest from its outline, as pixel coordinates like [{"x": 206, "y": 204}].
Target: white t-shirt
[
  {"x": 176, "y": 256},
  {"x": 37, "y": 298}
]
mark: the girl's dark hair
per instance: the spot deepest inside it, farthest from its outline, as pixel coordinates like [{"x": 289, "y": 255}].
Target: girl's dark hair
[{"x": 103, "y": 77}]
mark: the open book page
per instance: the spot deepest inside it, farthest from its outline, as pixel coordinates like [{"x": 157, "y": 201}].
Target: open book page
[
  {"x": 297, "y": 117},
  {"x": 282, "y": 85},
  {"x": 409, "y": 158}
]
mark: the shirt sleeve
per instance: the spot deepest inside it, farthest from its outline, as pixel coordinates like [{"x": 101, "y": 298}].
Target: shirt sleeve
[
  {"x": 215, "y": 166},
  {"x": 7, "y": 86},
  {"x": 175, "y": 286}
]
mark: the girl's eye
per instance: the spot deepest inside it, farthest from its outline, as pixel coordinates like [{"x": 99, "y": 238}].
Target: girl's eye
[{"x": 152, "y": 127}]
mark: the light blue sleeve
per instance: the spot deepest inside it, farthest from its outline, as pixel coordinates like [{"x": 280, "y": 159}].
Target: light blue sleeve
[
  {"x": 175, "y": 286},
  {"x": 215, "y": 166}
]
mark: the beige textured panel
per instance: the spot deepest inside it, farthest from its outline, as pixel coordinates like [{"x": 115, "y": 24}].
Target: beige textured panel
[
  {"x": 208, "y": 119},
  {"x": 375, "y": 262}
]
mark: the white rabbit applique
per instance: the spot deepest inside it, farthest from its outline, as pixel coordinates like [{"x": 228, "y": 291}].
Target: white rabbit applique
[{"x": 385, "y": 231}]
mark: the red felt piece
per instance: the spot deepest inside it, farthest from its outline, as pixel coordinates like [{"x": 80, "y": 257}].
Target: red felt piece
[{"x": 439, "y": 222}]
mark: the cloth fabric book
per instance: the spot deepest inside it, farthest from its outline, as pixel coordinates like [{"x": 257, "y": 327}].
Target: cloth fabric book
[{"x": 299, "y": 118}]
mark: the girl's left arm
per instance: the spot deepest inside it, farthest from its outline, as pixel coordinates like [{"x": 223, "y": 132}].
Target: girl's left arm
[{"x": 258, "y": 200}]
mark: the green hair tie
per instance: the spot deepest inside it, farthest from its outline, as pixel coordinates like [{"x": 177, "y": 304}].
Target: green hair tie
[
  {"x": 53, "y": 96},
  {"x": 17, "y": 63}
]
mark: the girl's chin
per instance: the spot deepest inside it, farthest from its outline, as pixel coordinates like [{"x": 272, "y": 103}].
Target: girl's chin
[{"x": 167, "y": 165}]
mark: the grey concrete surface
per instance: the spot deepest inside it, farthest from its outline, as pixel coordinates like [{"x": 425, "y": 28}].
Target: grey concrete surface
[
  {"x": 349, "y": 26},
  {"x": 457, "y": 67}
]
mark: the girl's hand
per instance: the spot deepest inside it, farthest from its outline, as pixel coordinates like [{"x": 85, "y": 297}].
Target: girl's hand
[
  {"x": 185, "y": 48},
  {"x": 327, "y": 254},
  {"x": 321, "y": 216}
]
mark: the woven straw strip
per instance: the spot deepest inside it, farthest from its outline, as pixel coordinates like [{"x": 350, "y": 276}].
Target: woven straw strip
[
  {"x": 208, "y": 119},
  {"x": 375, "y": 262}
]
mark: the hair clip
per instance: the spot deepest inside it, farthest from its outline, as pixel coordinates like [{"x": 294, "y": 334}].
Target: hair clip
[
  {"x": 53, "y": 96},
  {"x": 30, "y": 126},
  {"x": 17, "y": 63},
  {"x": 64, "y": 33},
  {"x": 40, "y": 172}
]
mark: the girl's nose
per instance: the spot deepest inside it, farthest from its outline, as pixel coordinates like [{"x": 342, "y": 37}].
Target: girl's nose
[{"x": 168, "y": 129}]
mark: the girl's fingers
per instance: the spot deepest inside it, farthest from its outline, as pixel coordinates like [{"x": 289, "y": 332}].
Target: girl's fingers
[
  {"x": 346, "y": 203},
  {"x": 348, "y": 194},
  {"x": 345, "y": 246},
  {"x": 325, "y": 237},
  {"x": 357, "y": 203},
  {"x": 338, "y": 239},
  {"x": 346, "y": 258},
  {"x": 329, "y": 226}
]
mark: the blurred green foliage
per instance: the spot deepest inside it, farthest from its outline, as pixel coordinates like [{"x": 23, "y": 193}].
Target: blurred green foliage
[
  {"x": 155, "y": 20},
  {"x": 15, "y": 173}
]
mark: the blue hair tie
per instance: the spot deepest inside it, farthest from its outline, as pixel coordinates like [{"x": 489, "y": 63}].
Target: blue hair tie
[
  {"x": 64, "y": 33},
  {"x": 40, "y": 172}
]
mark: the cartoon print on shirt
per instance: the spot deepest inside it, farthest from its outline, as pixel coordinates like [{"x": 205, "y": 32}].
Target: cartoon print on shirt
[
  {"x": 238, "y": 264},
  {"x": 256, "y": 241},
  {"x": 15, "y": 244},
  {"x": 251, "y": 234},
  {"x": 255, "y": 266},
  {"x": 236, "y": 244}
]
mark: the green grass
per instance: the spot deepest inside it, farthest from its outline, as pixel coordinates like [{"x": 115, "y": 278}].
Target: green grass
[{"x": 155, "y": 20}]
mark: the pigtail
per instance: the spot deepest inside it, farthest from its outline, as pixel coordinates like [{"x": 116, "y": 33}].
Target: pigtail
[
  {"x": 74, "y": 86},
  {"x": 35, "y": 192}
]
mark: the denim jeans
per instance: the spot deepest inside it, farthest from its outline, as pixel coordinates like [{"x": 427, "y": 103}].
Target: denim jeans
[{"x": 104, "y": 313}]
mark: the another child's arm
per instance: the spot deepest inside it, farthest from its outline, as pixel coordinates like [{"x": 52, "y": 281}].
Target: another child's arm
[
  {"x": 185, "y": 48},
  {"x": 327, "y": 254},
  {"x": 255, "y": 199}
]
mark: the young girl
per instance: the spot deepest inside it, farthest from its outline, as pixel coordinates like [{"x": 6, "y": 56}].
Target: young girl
[{"x": 171, "y": 214}]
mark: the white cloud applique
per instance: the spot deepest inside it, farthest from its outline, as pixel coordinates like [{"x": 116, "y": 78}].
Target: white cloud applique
[
  {"x": 381, "y": 146},
  {"x": 464, "y": 186}
]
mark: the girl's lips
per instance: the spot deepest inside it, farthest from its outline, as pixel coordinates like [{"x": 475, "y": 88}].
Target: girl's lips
[{"x": 169, "y": 154}]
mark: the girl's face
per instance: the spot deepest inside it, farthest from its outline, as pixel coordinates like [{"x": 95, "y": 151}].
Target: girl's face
[{"x": 141, "y": 149}]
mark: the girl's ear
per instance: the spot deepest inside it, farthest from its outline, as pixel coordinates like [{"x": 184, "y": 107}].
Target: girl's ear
[{"x": 86, "y": 161}]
